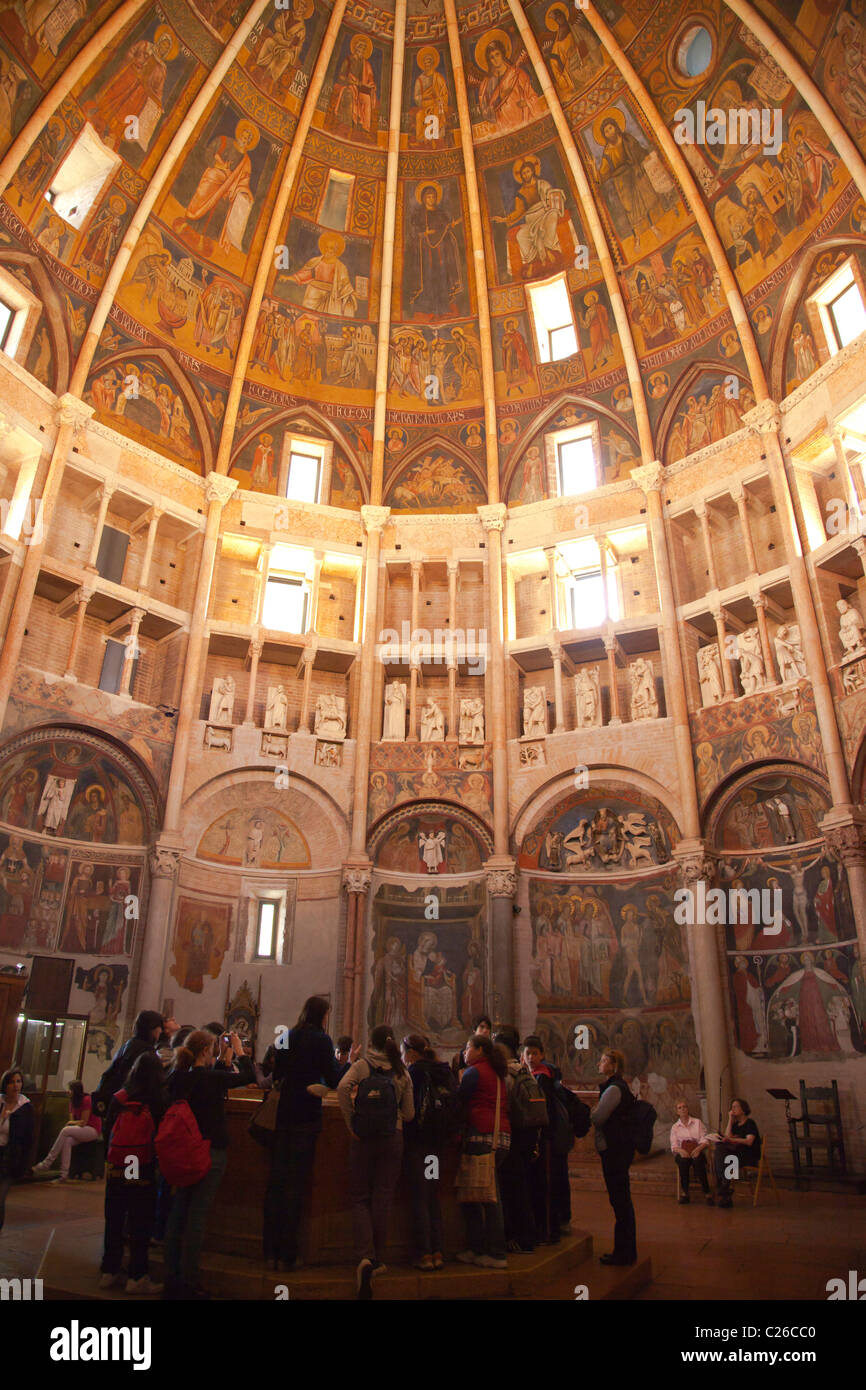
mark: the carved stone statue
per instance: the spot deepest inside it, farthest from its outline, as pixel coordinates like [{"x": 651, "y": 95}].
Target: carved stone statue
[
  {"x": 471, "y": 721},
  {"x": 752, "y": 675},
  {"x": 395, "y": 711},
  {"x": 277, "y": 708},
  {"x": 587, "y": 698},
  {"x": 851, "y": 628},
  {"x": 534, "y": 712},
  {"x": 222, "y": 700},
  {"x": 789, "y": 653},
  {"x": 432, "y": 723},
  {"x": 644, "y": 704},
  {"x": 330, "y": 722},
  {"x": 710, "y": 675}
]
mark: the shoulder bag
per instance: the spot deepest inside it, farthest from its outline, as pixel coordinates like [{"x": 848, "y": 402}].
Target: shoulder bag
[{"x": 476, "y": 1173}]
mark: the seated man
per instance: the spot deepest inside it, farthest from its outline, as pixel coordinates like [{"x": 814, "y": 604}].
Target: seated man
[
  {"x": 688, "y": 1143},
  {"x": 740, "y": 1140}
]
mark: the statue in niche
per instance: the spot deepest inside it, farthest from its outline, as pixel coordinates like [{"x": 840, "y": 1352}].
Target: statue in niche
[
  {"x": 851, "y": 628},
  {"x": 789, "y": 654},
  {"x": 752, "y": 675},
  {"x": 277, "y": 708},
  {"x": 534, "y": 712},
  {"x": 644, "y": 704},
  {"x": 222, "y": 700},
  {"x": 432, "y": 723},
  {"x": 395, "y": 711},
  {"x": 710, "y": 675},
  {"x": 587, "y": 698},
  {"x": 330, "y": 723},
  {"x": 471, "y": 721}
]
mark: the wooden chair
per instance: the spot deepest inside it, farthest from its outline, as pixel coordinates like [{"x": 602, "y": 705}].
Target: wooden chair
[
  {"x": 818, "y": 1126},
  {"x": 754, "y": 1176}
]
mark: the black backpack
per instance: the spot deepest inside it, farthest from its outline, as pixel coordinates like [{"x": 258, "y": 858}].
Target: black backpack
[
  {"x": 527, "y": 1104},
  {"x": 578, "y": 1111},
  {"x": 113, "y": 1077},
  {"x": 559, "y": 1129},
  {"x": 437, "y": 1113},
  {"x": 643, "y": 1118},
  {"x": 375, "y": 1112}
]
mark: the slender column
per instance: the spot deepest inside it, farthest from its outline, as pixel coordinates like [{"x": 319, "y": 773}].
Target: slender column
[
  {"x": 493, "y": 521},
  {"x": 853, "y": 496},
  {"x": 556, "y": 653},
  {"x": 550, "y": 553},
  {"x": 501, "y": 890},
  {"x": 738, "y": 492},
  {"x": 318, "y": 561},
  {"x": 610, "y": 646},
  {"x": 131, "y": 646},
  {"x": 709, "y": 989},
  {"x": 217, "y": 492},
  {"x": 155, "y": 514},
  {"x": 164, "y": 860},
  {"x": 349, "y": 961},
  {"x": 374, "y": 519},
  {"x": 18, "y": 502},
  {"x": 844, "y": 833},
  {"x": 722, "y": 639},
  {"x": 414, "y": 663},
  {"x": 104, "y": 500},
  {"x": 360, "y": 946},
  {"x": 602, "y": 565},
  {"x": 307, "y": 658},
  {"x": 84, "y": 595},
  {"x": 356, "y": 616},
  {"x": 798, "y": 76},
  {"x": 453, "y": 570},
  {"x": 256, "y": 648},
  {"x": 702, "y": 511},
  {"x": 760, "y": 603},
  {"x": 264, "y": 561}
]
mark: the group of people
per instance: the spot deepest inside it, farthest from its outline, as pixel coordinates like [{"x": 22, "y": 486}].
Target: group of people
[
  {"x": 500, "y": 1100},
  {"x": 690, "y": 1142}
]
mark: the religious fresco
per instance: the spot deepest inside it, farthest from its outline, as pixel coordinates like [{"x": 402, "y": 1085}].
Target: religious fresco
[
  {"x": 31, "y": 892},
  {"x": 405, "y": 771},
  {"x": 41, "y": 30},
  {"x": 634, "y": 182},
  {"x": 95, "y": 920},
  {"x": 801, "y": 357},
  {"x": 809, "y": 1005},
  {"x": 282, "y": 50},
  {"x": 259, "y": 838},
  {"x": 202, "y": 932},
  {"x": 534, "y": 222},
  {"x": 257, "y": 464},
  {"x": 502, "y": 86},
  {"x": 72, "y": 789},
  {"x": 431, "y": 84},
  {"x": 107, "y": 984},
  {"x": 345, "y": 484},
  {"x": 574, "y": 54},
  {"x": 356, "y": 91},
  {"x": 841, "y": 75},
  {"x": 749, "y": 730},
  {"x": 435, "y": 483},
  {"x": 526, "y": 478},
  {"x": 304, "y": 351},
  {"x": 430, "y": 842},
  {"x": 673, "y": 292},
  {"x": 435, "y": 279},
  {"x": 328, "y": 273},
  {"x": 432, "y": 368},
  {"x": 711, "y": 407},
  {"x": 513, "y": 357},
  {"x": 609, "y": 830},
  {"x": 140, "y": 398},
  {"x": 18, "y": 96},
  {"x": 428, "y": 979},
  {"x": 777, "y": 807}
]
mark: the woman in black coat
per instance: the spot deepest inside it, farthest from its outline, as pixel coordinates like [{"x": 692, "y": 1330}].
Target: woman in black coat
[{"x": 16, "y": 1133}]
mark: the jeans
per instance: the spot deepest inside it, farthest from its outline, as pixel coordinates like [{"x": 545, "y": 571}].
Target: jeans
[
  {"x": 684, "y": 1163},
  {"x": 616, "y": 1180},
  {"x": 287, "y": 1189},
  {"x": 374, "y": 1171},
  {"x": 551, "y": 1194},
  {"x": 63, "y": 1145},
  {"x": 133, "y": 1203},
  {"x": 485, "y": 1228},
  {"x": 515, "y": 1188},
  {"x": 184, "y": 1233},
  {"x": 162, "y": 1209},
  {"x": 426, "y": 1209}
]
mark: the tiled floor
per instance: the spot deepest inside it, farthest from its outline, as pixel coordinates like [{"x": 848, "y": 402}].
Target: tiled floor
[{"x": 786, "y": 1251}]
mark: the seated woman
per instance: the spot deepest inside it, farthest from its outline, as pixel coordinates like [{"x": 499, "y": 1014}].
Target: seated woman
[
  {"x": 83, "y": 1127},
  {"x": 689, "y": 1141},
  {"x": 740, "y": 1140}
]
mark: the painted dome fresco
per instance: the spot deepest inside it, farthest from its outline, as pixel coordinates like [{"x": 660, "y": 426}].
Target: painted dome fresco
[{"x": 246, "y": 222}]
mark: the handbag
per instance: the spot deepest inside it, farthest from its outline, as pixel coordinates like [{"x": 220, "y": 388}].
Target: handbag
[
  {"x": 263, "y": 1125},
  {"x": 476, "y": 1173}
]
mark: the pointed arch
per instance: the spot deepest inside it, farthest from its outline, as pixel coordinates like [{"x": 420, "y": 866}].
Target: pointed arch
[
  {"x": 543, "y": 419},
  {"x": 180, "y": 380},
  {"x": 686, "y": 383},
  {"x": 433, "y": 448}
]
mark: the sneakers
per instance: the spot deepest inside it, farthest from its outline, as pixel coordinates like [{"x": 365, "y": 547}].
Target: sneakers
[
  {"x": 112, "y": 1281},
  {"x": 144, "y": 1285},
  {"x": 41, "y": 1167},
  {"x": 425, "y": 1262},
  {"x": 490, "y": 1262},
  {"x": 438, "y": 1260},
  {"x": 364, "y": 1279},
  {"x": 467, "y": 1257}
]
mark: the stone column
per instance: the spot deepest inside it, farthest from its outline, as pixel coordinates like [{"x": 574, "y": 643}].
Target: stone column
[
  {"x": 738, "y": 492},
  {"x": 556, "y": 653},
  {"x": 722, "y": 639},
  {"x": 308, "y": 657},
  {"x": 83, "y": 596},
  {"x": 356, "y": 882},
  {"x": 164, "y": 859},
  {"x": 106, "y": 493},
  {"x": 845, "y": 836},
  {"x": 760, "y": 603},
  {"x": 697, "y": 865},
  {"x": 155, "y": 514},
  {"x": 610, "y": 646},
  {"x": 131, "y": 645},
  {"x": 849, "y": 481},
  {"x": 374, "y": 519},
  {"x": 550, "y": 553},
  {"x": 261, "y": 580},
  {"x": 218, "y": 490},
  {"x": 21, "y": 499},
  {"x": 414, "y": 662},
  {"x": 502, "y": 890},
  {"x": 703, "y": 514},
  {"x": 453, "y": 569},
  {"x": 256, "y": 648},
  {"x": 356, "y": 615},
  {"x": 318, "y": 560},
  {"x": 493, "y": 521}
]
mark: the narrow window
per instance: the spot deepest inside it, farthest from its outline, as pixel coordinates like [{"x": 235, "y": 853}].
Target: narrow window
[
  {"x": 7, "y": 315},
  {"x": 553, "y": 320},
  {"x": 266, "y": 930},
  {"x": 335, "y": 205},
  {"x": 81, "y": 177},
  {"x": 577, "y": 467},
  {"x": 285, "y": 606},
  {"x": 111, "y": 556},
  {"x": 305, "y": 472}
]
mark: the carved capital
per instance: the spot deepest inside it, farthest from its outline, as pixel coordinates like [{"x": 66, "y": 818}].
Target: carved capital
[
  {"x": 695, "y": 862},
  {"x": 765, "y": 418},
  {"x": 164, "y": 861},
  {"x": 219, "y": 488},
  {"x": 453, "y": 566},
  {"x": 493, "y": 516},
  {"x": 85, "y": 593},
  {"x": 845, "y": 837},
  {"x": 374, "y": 518},
  {"x": 501, "y": 874},
  {"x": 69, "y": 410},
  {"x": 555, "y": 651},
  {"x": 257, "y": 646},
  {"x": 649, "y": 476},
  {"x": 701, "y": 510},
  {"x": 356, "y": 878}
]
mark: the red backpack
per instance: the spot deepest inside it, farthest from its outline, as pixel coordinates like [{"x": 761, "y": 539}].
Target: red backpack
[
  {"x": 132, "y": 1133},
  {"x": 183, "y": 1155}
]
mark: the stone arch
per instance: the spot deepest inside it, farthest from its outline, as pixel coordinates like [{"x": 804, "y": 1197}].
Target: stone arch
[
  {"x": 783, "y": 319},
  {"x": 243, "y": 791},
  {"x": 310, "y": 415},
  {"x": 432, "y": 446},
  {"x": 542, "y": 422},
  {"x": 423, "y": 814},
  {"x": 55, "y": 313},
  {"x": 684, "y": 385},
  {"x": 140, "y": 356}
]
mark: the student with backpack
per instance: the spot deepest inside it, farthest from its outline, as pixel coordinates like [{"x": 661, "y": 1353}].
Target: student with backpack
[
  {"x": 195, "y": 1079},
  {"x": 613, "y": 1119},
  {"x": 549, "y": 1181},
  {"x": 527, "y": 1114},
  {"x": 150, "y": 1027},
  {"x": 304, "y": 1058},
  {"x": 434, "y": 1092},
  {"x": 487, "y": 1130},
  {"x": 383, "y": 1100},
  {"x": 130, "y": 1175}
]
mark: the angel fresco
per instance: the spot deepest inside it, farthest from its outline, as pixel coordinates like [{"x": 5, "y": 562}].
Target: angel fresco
[
  {"x": 504, "y": 94},
  {"x": 574, "y": 52}
]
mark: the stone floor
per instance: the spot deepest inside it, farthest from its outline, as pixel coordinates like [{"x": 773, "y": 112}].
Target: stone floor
[{"x": 785, "y": 1251}]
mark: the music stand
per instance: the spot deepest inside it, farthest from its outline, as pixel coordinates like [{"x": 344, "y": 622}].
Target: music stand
[{"x": 780, "y": 1093}]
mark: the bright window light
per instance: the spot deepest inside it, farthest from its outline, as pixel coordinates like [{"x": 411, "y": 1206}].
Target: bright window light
[
  {"x": 553, "y": 319},
  {"x": 266, "y": 930},
  {"x": 587, "y": 608},
  {"x": 305, "y": 471},
  {"x": 285, "y": 606},
  {"x": 7, "y": 314},
  {"x": 577, "y": 471},
  {"x": 848, "y": 315},
  {"x": 335, "y": 207},
  {"x": 81, "y": 177}
]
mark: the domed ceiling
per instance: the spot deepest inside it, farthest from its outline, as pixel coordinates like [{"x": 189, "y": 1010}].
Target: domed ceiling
[{"x": 200, "y": 167}]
